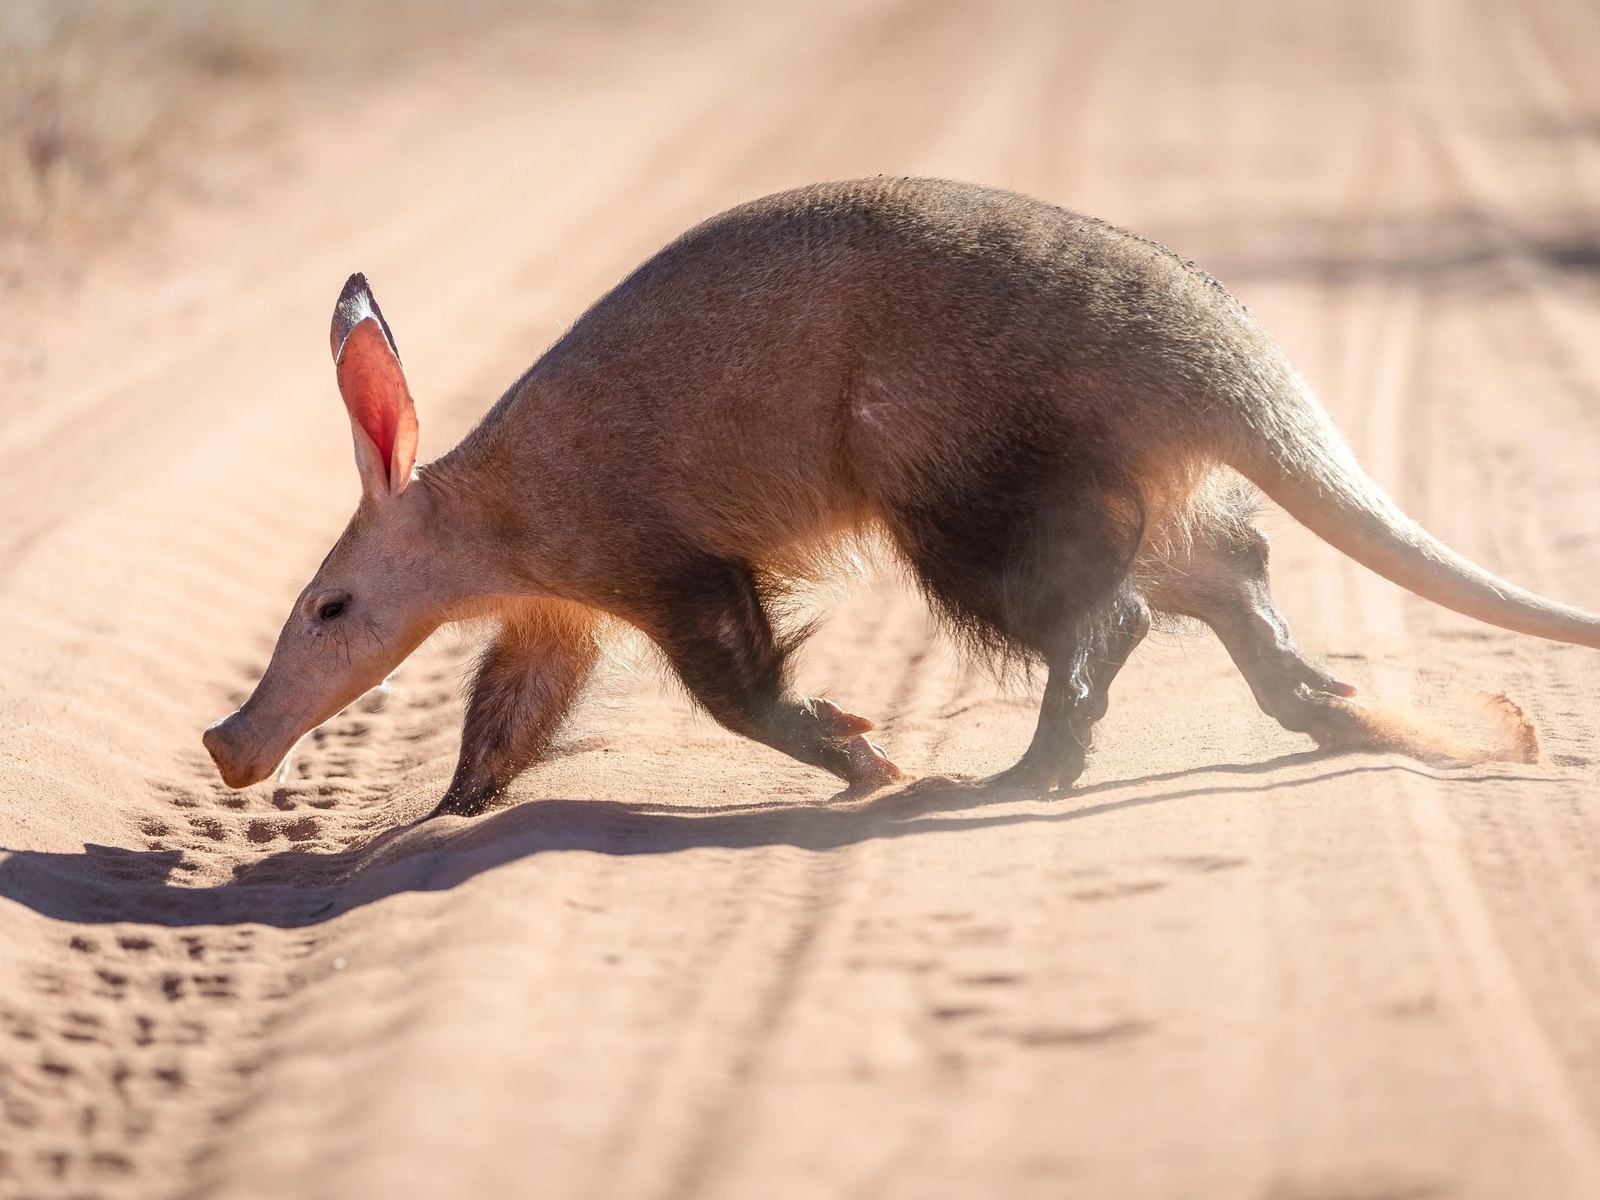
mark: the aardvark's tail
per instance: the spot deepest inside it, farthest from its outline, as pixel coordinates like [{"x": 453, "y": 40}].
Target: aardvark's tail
[{"x": 1293, "y": 453}]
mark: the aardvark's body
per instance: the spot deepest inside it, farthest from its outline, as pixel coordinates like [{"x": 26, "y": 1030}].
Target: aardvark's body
[{"x": 1032, "y": 405}]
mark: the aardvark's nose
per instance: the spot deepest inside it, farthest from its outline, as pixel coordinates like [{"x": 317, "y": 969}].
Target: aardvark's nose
[{"x": 229, "y": 743}]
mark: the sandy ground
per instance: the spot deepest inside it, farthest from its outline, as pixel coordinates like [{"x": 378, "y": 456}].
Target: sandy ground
[{"x": 1224, "y": 967}]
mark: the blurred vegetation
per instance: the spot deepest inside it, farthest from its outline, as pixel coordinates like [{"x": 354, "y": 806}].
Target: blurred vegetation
[{"x": 101, "y": 98}]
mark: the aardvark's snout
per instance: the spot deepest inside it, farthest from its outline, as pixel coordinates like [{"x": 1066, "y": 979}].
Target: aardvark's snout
[{"x": 235, "y": 749}]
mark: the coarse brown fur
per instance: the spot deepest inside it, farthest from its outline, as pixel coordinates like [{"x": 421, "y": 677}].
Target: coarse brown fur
[{"x": 1041, "y": 414}]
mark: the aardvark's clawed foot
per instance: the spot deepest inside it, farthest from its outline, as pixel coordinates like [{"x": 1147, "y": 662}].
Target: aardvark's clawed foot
[
  {"x": 870, "y": 768},
  {"x": 867, "y": 767},
  {"x": 836, "y": 723},
  {"x": 1028, "y": 775},
  {"x": 467, "y": 798}
]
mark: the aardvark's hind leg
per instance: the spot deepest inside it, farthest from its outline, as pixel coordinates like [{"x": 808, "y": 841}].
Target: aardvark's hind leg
[
  {"x": 525, "y": 685},
  {"x": 710, "y": 621},
  {"x": 1031, "y": 555},
  {"x": 1076, "y": 695},
  {"x": 1223, "y": 582}
]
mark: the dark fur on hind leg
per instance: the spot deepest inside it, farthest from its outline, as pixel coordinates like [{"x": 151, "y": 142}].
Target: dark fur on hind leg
[
  {"x": 1021, "y": 538},
  {"x": 1027, "y": 556}
]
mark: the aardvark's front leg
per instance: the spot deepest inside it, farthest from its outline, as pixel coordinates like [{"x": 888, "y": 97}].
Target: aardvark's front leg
[
  {"x": 715, "y": 630},
  {"x": 526, "y": 683}
]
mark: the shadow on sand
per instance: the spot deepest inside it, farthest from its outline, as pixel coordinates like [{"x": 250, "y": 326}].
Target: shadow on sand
[{"x": 293, "y": 889}]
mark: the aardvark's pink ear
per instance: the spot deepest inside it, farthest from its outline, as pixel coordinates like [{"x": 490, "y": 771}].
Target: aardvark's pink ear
[{"x": 382, "y": 417}]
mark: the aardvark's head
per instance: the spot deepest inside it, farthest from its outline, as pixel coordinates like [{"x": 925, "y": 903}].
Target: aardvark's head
[{"x": 374, "y": 598}]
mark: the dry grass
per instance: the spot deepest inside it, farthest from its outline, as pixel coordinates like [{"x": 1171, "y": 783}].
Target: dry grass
[{"x": 100, "y": 100}]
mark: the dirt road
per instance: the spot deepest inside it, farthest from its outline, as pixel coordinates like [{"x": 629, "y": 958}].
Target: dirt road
[{"x": 1224, "y": 967}]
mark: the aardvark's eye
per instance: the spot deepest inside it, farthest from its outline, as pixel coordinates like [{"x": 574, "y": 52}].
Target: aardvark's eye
[{"x": 330, "y": 610}]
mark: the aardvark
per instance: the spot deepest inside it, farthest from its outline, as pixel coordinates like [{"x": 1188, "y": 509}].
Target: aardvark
[{"x": 1046, "y": 417}]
